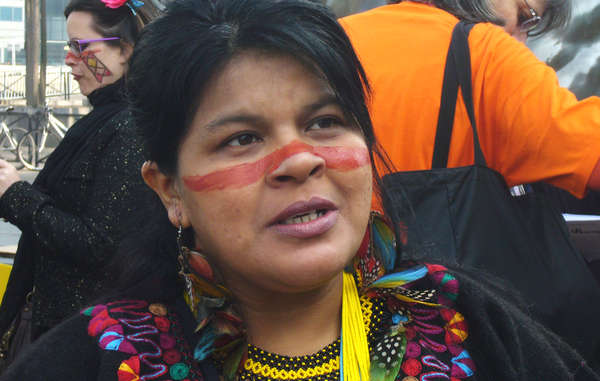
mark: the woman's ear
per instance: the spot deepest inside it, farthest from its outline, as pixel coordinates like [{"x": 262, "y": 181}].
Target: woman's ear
[
  {"x": 166, "y": 188},
  {"x": 126, "y": 51}
]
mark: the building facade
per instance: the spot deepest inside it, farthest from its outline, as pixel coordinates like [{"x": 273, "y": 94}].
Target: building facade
[
  {"x": 12, "y": 32},
  {"x": 12, "y": 27}
]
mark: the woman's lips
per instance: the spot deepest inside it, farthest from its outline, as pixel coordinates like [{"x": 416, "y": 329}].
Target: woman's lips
[
  {"x": 306, "y": 219},
  {"x": 76, "y": 77}
]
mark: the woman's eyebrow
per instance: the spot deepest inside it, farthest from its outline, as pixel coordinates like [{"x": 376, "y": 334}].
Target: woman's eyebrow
[
  {"x": 327, "y": 99},
  {"x": 242, "y": 117},
  {"x": 249, "y": 118}
]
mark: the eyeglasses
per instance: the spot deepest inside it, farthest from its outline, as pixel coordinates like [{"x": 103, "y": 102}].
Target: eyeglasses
[
  {"x": 78, "y": 46},
  {"x": 528, "y": 24}
]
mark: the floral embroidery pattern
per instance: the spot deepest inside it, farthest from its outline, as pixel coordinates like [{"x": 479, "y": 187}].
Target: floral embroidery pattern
[
  {"x": 148, "y": 333},
  {"x": 435, "y": 336}
]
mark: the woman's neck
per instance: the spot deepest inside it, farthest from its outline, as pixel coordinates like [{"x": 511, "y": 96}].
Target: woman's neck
[{"x": 293, "y": 324}]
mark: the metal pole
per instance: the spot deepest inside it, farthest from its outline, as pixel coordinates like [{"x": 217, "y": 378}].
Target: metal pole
[
  {"x": 43, "y": 52},
  {"x": 33, "y": 52}
]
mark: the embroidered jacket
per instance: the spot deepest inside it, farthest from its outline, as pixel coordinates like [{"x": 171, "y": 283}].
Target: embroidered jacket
[
  {"x": 414, "y": 333},
  {"x": 130, "y": 340}
]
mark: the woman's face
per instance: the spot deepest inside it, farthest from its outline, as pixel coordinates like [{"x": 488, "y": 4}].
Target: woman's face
[
  {"x": 273, "y": 178},
  {"x": 514, "y": 12},
  {"x": 99, "y": 64}
]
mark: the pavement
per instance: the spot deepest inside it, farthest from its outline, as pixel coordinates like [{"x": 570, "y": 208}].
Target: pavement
[{"x": 9, "y": 233}]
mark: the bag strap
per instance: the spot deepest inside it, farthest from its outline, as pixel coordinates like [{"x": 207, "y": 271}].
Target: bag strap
[{"x": 457, "y": 73}]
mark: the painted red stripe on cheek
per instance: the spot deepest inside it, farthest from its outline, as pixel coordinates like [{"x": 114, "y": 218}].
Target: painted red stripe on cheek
[
  {"x": 344, "y": 158},
  {"x": 244, "y": 174},
  {"x": 339, "y": 158}
]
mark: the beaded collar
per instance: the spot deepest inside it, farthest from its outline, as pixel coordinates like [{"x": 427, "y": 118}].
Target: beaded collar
[{"x": 323, "y": 365}]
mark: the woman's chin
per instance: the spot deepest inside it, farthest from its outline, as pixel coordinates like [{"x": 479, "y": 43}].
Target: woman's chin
[{"x": 301, "y": 278}]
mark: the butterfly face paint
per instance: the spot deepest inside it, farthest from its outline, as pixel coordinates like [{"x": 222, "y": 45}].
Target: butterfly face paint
[
  {"x": 98, "y": 69},
  {"x": 336, "y": 158}
]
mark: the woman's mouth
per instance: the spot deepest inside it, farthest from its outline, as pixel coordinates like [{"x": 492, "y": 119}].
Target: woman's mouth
[
  {"x": 303, "y": 218},
  {"x": 306, "y": 219},
  {"x": 76, "y": 76}
]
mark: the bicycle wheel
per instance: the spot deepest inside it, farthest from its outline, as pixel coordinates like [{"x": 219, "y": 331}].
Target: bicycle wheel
[
  {"x": 35, "y": 147},
  {"x": 9, "y": 144}
]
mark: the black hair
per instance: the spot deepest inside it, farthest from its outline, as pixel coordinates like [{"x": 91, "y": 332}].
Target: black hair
[
  {"x": 165, "y": 94},
  {"x": 115, "y": 22},
  {"x": 556, "y": 14},
  {"x": 189, "y": 46},
  {"x": 183, "y": 50}
]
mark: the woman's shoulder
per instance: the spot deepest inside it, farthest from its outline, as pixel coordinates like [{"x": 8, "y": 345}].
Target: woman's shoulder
[
  {"x": 121, "y": 122},
  {"x": 495, "y": 50},
  {"x": 124, "y": 339},
  {"x": 149, "y": 336},
  {"x": 419, "y": 331}
]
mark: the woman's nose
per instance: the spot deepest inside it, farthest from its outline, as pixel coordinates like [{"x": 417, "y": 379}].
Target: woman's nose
[
  {"x": 297, "y": 168},
  {"x": 70, "y": 59}
]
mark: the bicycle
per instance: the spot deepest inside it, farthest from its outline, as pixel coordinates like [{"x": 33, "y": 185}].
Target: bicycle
[
  {"x": 36, "y": 145},
  {"x": 9, "y": 138}
]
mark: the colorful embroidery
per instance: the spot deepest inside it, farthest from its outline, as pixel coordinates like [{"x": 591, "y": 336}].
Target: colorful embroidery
[
  {"x": 428, "y": 332},
  {"x": 147, "y": 332},
  {"x": 414, "y": 332},
  {"x": 129, "y": 370}
]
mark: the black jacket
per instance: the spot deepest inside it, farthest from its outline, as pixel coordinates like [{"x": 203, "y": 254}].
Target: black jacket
[{"x": 71, "y": 229}]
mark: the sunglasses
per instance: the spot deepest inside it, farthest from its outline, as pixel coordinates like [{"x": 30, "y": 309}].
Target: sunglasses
[
  {"x": 528, "y": 24},
  {"x": 78, "y": 46}
]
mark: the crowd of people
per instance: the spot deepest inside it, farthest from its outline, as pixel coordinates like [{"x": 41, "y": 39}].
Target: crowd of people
[{"x": 237, "y": 204}]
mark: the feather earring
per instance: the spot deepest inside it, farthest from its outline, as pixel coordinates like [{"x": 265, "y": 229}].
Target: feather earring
[
  {"x": 203, "y": 288},
  {"x": 184, "y": 268}
]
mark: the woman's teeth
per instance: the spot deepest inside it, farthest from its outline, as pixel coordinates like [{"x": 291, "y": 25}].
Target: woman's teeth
[{"x": 303, "y": 218}]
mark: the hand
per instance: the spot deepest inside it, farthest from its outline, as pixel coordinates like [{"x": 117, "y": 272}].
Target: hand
[{"x": 8, "y": 176}]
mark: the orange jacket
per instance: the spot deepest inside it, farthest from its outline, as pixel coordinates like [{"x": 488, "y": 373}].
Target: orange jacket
[{"x": 530, "y": 128}]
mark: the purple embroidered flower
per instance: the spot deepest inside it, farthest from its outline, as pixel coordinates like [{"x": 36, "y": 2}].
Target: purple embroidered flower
[{"x": 113, "y": 340}]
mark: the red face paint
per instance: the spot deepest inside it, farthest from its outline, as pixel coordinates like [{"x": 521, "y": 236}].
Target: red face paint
[
  {"x": 237, "y": 176},
  {"x": 73, "y": 56},
  {"x": 97, "y": 67}
]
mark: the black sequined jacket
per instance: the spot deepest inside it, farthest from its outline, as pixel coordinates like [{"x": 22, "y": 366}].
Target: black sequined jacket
[{"x": 74, "y": 229}]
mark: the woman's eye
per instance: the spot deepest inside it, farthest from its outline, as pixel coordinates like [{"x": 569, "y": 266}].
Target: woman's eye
[
  {"x": 325, "y": 123},
  {"x": 243, "y": 140}
]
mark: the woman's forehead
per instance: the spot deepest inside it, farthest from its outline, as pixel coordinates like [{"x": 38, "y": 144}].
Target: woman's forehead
[{"x": 255, "y": 82}]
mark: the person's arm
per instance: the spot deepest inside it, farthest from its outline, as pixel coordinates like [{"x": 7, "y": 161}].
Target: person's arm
[
  {"x": 531, "y": 129},
  {"x": 115, "y": 193}
]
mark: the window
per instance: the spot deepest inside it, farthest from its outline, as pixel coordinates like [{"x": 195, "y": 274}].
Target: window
[
  {"x": 11, "y": 14},
  {"x": 17, "y": 14},
  {"x": 5, "y": 14}
]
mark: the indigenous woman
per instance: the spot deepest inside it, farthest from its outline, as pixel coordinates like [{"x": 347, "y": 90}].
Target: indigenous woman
[
  {"x": 73, "y": 214},
  {"x": 261, "y": 150}
]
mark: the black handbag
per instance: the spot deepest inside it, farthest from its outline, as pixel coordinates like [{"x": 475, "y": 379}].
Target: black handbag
[
  {"x": 467, "y": 216},
  {"x": 18, "y": 336}
]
